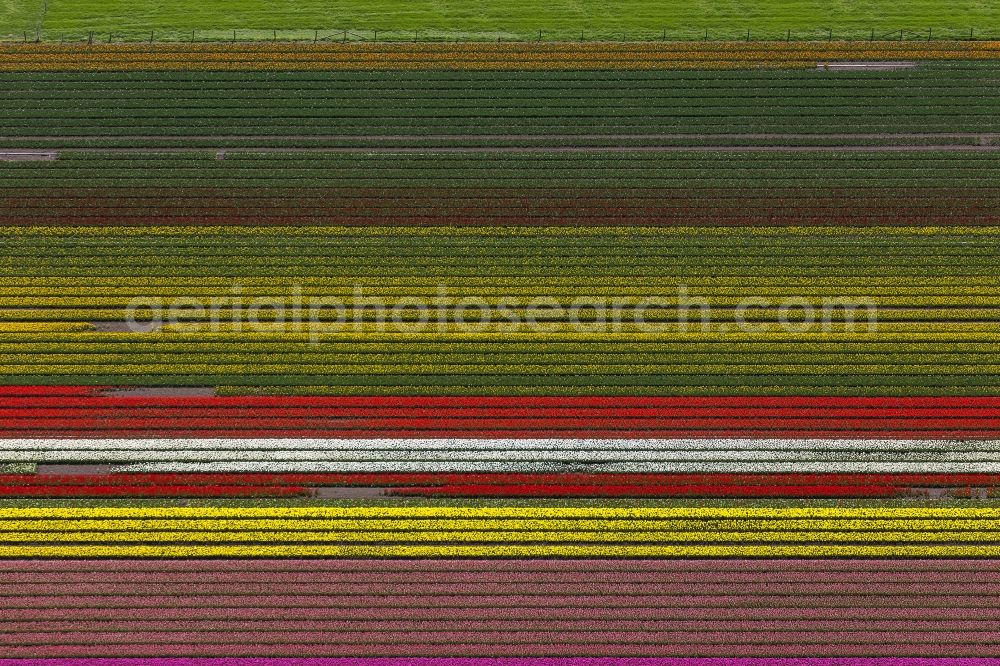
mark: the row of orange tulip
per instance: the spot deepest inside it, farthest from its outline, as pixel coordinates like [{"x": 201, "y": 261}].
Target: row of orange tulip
[{"x": 521, "y": 56}]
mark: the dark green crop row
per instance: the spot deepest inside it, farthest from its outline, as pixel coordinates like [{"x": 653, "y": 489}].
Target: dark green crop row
[
  {"x": 336, "y": 203},
  {"x": 973, "y": 118},
  {"x": 527, "y": 180},
  {"x": 574, "y": 257},
  {"x": 609, "y": 140},
  {"x": 246, "y": 126},
  {"x": 934, "y": 97},
  {"x": 386, "y": 80},
  {"x": 278, "y": 88},
  {"x": 682, "y": 160},
  {"x": 535, "y": 170}
]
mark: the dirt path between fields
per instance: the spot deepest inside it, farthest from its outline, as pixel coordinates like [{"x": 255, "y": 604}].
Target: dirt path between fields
[
  {"x": 870, "y": 66},
  {"x": 161, "y": 392},
  {"x": 28, "y": 155}
]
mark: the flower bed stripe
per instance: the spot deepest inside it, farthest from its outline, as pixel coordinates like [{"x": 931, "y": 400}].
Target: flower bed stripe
[
  {"x": 547, "y": 455},
  {"x": 78, "y": 415},
  {"x": 481, "y": 531},
  {"x": 59, "y": 392},
  {"x": 148, "y": 206},
  {"x": 485, "y": 56},
  {"x": 504, "y": 550},
  {"x": 503, "y": 485},
  {"x": 423, "y": 607},
  {"x": 846, "y": 647}
]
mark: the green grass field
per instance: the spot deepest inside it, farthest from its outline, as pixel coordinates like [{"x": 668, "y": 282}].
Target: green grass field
[
  {"x": 490, "y": 19},
  {"x": 20, "y": 16}
]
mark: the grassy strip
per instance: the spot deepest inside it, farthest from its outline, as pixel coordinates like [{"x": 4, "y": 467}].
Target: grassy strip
[{"x": 510, "y": 19}]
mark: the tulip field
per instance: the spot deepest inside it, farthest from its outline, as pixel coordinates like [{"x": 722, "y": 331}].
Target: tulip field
[
  {"x": 571, "y": 351},
  {"x": 637, "y": 188},
  {"x": 458, "y": 58}
]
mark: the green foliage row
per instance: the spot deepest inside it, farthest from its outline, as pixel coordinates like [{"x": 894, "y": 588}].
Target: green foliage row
[{"x": 934, "y": 97}]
